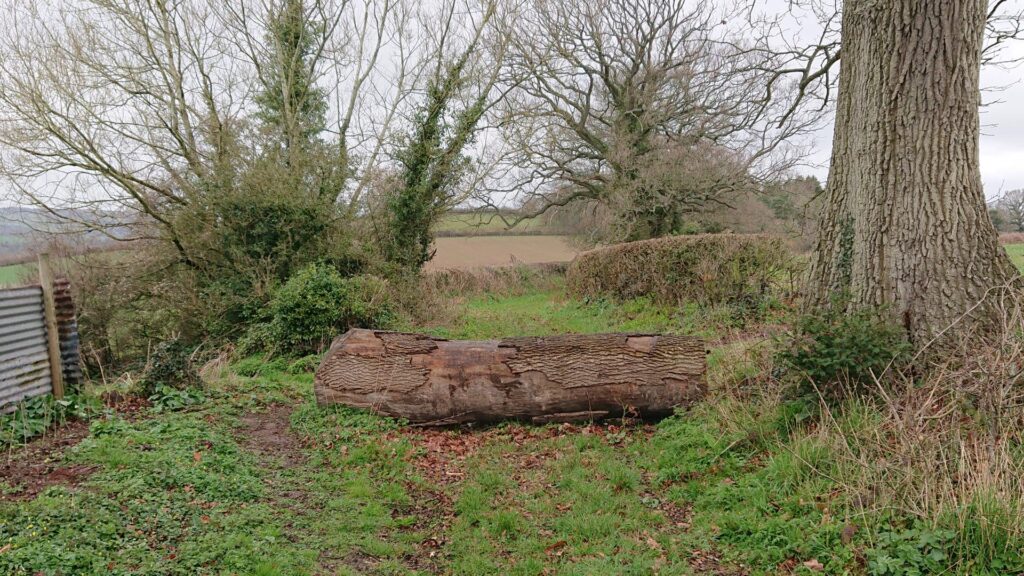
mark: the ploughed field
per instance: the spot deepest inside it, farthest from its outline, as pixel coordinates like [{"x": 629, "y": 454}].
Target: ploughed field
[{"x": 464, "y": 252}]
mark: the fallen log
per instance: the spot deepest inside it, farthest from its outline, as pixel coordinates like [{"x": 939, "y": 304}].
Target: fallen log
[{"x": 544, "y": 379}]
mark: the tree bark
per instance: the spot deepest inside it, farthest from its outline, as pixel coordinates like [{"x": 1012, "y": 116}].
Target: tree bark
[
  {"x": 546, "y": 379},
  {"x": 905, "y": 225}
]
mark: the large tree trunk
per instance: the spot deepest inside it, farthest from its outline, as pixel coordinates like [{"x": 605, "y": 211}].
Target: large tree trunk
[
  {"x": 905, "y": 224},
  {"x": 557, "y": 378}
]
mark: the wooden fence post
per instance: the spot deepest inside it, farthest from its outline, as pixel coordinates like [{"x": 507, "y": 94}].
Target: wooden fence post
[{"x": 52, "y": 337}]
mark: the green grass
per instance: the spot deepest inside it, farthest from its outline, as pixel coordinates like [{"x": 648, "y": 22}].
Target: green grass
[
  {"x": 551, "y": 312},
  {"x": 180, "y": 493},
  {"x": 1016, "y": 252},
  {"x": 12, "y": 275}
]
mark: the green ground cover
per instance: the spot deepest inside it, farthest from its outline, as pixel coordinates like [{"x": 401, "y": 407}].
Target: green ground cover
[
  {"x": 252, "y": 477},
  {"x": 549, "y": 312},
  {"x": 241, "y": 485},
  {"x": 471, "y": 223}
]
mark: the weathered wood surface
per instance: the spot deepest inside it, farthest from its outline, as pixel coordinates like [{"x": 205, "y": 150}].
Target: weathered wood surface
[{"x": 545, "y": 379}]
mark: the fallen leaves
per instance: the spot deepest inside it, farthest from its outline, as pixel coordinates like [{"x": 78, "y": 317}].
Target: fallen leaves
[
  {"x": 813, "y": 564},
  {"x": 555, "y": 550}
]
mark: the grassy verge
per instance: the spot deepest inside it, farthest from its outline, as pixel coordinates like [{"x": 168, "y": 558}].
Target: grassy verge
[
  {"x": 257, "y": 479},
  {"x": 548, "y": 310}
]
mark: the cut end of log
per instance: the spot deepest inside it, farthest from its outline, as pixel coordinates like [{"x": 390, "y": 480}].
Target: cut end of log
[{"x": 429, "y": 380}]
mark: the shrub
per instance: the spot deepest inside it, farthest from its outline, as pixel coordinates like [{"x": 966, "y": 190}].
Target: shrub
[
  {"x": 1011, "y": 238},
  {"x": 304, "y": 365},
  {"x": 126, "y": 302},
  {"x": 170, "y": 366},
  {"x": 317, "y": 303},
  {"x": 843, "y": 351},
  {"x": 249, "y": 238},
  {"x": 706, "y": 269},
  {"x": 497, "y": 280}
]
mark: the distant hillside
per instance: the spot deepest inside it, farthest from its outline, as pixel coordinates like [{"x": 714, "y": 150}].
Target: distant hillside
[{"x": 24, "y": 232}]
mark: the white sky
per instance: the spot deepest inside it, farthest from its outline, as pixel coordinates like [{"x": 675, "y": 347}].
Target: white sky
[
  {"x": 1002, "y": 130},
  {"x": 1002, "y": 141}
]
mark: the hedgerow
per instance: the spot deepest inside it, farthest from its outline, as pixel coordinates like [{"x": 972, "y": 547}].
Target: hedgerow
[{"x": 706, "y": 269}]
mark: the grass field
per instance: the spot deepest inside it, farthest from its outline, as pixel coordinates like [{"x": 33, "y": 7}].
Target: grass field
[
  {"x": 13, "y": 275},
  {"x": 257, "y": 479},
  {"x": 1016, "y": 252},
  {"x": 549, "y": 311}
]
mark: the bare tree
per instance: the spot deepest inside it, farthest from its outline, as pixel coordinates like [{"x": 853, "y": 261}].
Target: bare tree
[
  {"x": 656, "y": 109},
  {"x": 1012, "y": 205},
  {"x": 141, "y": 108},
  {"x": 117, "y": 104}
]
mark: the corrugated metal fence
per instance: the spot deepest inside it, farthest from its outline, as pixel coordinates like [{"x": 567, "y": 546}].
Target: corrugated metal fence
[
  {"x": 24, "y": 357},
  {"x": 25, "y": 370},
  {"x": 67, "y": 331}
]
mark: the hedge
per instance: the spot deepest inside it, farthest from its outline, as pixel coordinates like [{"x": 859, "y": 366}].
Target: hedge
[{"x": 705, "y": 268}]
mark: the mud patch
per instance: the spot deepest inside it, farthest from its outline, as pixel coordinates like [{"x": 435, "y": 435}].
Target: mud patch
[
  {"x": 32, "y": 468},
  {"x": 268, "y": 435},
  {"x": 36, "y": 466}
]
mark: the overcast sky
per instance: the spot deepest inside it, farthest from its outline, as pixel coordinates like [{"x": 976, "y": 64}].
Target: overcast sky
[
  {"x": 1002, "y": 141},
  {"x": 1002, "y": 131},
  {"x": 1002, "y": 128}
]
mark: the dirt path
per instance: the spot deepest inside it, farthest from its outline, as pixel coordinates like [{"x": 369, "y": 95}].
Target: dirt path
[{"x": 269, "y": 436}]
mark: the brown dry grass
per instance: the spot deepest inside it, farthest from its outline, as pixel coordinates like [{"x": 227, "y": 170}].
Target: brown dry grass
[
  {"x": 1011, "y": 238},
  {"x": 498, "y": 281},
  {"x": 945, "y": 447}
]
